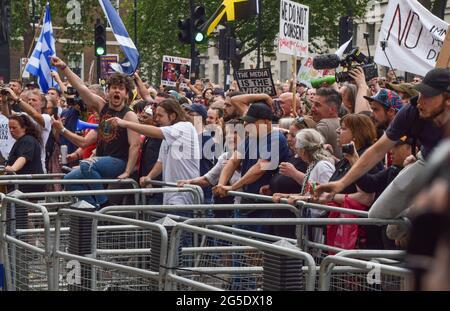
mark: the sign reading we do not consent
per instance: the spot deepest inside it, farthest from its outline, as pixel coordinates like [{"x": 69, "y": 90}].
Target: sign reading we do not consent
[{"x": 294, "y": 22}]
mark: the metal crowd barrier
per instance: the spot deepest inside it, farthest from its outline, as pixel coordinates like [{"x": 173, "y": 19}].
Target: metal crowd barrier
[
  {"x": 110, "y": 274},
  {"x": 368, "y": 270},
  {"x": 26, "y": 265},
  {"x": 231, "y": 274},
  {"x": 199, "y": 191}
]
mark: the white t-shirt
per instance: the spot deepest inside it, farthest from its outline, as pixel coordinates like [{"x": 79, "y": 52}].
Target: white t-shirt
[
  {"x": 321, "y": 174},
  {"x": 6, "y": 140},
  {"x": 180, "y": 157}
]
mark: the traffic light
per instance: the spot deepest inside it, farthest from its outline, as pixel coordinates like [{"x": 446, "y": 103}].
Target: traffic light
[
  {"x": 100, "y": 39},
  {"x": 199, "y": 20},
  {"x": 185, "y": 31}
]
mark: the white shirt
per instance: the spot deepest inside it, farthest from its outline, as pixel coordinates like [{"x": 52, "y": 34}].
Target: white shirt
[
  {"x": 180, "y": 158},
  {"x": 45, "y": 133},
  {"x": 321, "y": 174}
]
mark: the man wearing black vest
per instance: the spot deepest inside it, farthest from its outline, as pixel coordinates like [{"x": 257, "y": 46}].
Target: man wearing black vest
[{"x": 117, "y": 148}]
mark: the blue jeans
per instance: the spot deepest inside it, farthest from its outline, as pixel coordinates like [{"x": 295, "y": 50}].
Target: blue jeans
[{"x": 96, "y": 168}]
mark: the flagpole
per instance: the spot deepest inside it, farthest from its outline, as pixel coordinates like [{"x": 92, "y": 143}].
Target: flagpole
[{"x": 32, "y": 45}]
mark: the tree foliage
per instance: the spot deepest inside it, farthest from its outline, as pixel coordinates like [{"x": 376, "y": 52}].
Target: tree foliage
[
  {"x": 21, "y": 23},
  {"x": 158, "y": 30}
]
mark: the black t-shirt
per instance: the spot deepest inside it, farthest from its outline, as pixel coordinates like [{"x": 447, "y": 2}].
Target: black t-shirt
[
  {"x": 343, "y": 166},
  {"x": 150, "y": 154},
  {"x": 283, "y": 184},
  {"x": 408, "y": 122},
  {"x": 112, "y": 141},
  {"x": 28, "y": 147}
]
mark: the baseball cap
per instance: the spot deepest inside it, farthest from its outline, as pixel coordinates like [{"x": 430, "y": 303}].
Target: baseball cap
[
  {"x": 436, "y": 81},
  {"x": 199, "y": 108},
  {"x": 258, "y": 111},
  {"x": 387, "y": 98},
  {"x": 407, "y": 88}
]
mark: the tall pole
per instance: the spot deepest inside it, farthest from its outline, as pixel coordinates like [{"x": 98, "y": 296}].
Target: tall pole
[
  {"x": 191, "y": 26},
  {"x": 258, "y": 33},
  {"x": 227, "y": 63},
  {"x": 135, "y": 23}
]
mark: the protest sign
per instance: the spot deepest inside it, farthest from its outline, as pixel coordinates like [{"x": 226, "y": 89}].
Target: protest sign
[
  {"x": 172, "y": 68},
  {"x": 306, "y": 73},
  {"x": 414, "y": 37},
  {"x": 294, "y": 21},
  {"x": 255, "y": 81},
  {"x": 443, "y": 60},
  {"x": 105, "y": 65}
]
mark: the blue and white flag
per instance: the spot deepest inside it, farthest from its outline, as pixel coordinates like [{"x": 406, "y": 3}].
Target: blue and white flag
[
  {"x": 121, "y": 34},
  {"x": 39, "y": 64}
]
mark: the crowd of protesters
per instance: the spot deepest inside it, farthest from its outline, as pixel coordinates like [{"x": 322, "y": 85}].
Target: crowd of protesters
[{"x": 361, "y": 145}]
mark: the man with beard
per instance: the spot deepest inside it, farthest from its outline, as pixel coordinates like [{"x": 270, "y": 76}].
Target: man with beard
[
  {"x": 385, "y": 105},
  {"x": 117, "y": 149},
  {"x": 423, "y": 121}
]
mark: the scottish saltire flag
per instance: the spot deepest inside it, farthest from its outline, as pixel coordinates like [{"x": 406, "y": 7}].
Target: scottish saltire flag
[
  {"x": 39, "y": 64},
  {"x": 121, "y": 34}
]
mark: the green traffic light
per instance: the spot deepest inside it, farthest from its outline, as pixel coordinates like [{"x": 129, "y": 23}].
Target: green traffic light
[
  {"x": 199, "y": 37},
  {"x": 100, "y": 51}
]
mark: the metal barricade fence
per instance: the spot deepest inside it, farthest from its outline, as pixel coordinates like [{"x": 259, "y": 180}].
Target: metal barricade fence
[
  {"x": 27, "y": 264},
  {"x": 113, "y": 274},
  {"x": 365, "y": 270},
  {"x": 236, "y": 272},
  {"x": 199, "y": 191}
]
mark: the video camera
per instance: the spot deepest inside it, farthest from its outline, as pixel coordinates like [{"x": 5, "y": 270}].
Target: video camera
[
  {"x": 354, "y": 59},
  {"x": 76, "y": 99}
]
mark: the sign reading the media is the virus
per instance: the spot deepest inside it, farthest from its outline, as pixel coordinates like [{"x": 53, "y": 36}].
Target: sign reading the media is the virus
[
  {"x": 294, "y": 21},
  {"x": 255, "y": 81}
]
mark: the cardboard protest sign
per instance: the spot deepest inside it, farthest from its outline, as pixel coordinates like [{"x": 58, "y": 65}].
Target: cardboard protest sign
[
  {"x": 443, "y": 60},
  {"x": 255, "y": 81},
  {"x": 173, "y": 67},
  {"x": 105, "y": 65},
  {"x": 294, "y": 22},
  {"x": 414, "y": 37}
]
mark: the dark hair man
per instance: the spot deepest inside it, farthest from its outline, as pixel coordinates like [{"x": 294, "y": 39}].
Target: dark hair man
[
  {"x": 117, "y": 149},
  {"x": 325, "y": 111},
  {"x": 385, "y": 105},
  {"x": 258, "y": 157},
  {"x": 422, "y": 120}
]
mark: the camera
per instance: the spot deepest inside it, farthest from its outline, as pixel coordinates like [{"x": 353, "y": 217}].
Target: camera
[
  {"x": 348, "y": 148},
  {"x": 354, "y": 59},
  {"x": 75, "y": 100}
]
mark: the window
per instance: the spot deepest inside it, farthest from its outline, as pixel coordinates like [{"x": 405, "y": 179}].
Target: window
[
  {"x": 371, "y": 31},
  {"x": 216, "y": 73},
  {"x": 267, "y": 65},
  {"x": 76, "y": 63},
  {"x": 201, "y": 70},
  {"x": 355, "y": 35},
  {"x": 284, "y": 74}
]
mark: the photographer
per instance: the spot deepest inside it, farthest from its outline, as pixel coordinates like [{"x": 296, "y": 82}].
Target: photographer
[
  {"x": 33, "y": 108},
  {"x": 117, "y": 149},
  {"x": 70, "y": 116}
]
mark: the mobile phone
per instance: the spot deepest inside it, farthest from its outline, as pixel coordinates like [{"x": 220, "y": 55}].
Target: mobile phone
[
  {"x": 277, "y": 109},
  {"x": 348, "y": 148},
  {"x": 55, "y": 113}
]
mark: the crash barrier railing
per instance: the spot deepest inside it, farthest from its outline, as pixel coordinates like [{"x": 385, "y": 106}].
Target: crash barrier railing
[
  {"x": 368, "y": 270},
  {"x": 304, "y": 241},
  {"x": 118, "y": 273},
  {"x": 33, "y": 182},
  {"x": 279, "y": 253},
  {"x": 199, "y": 191},
  {"x": 84, "y": 193},
  {"x": 27, "y": 266},
  {"x": 32, "y": 176}
]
